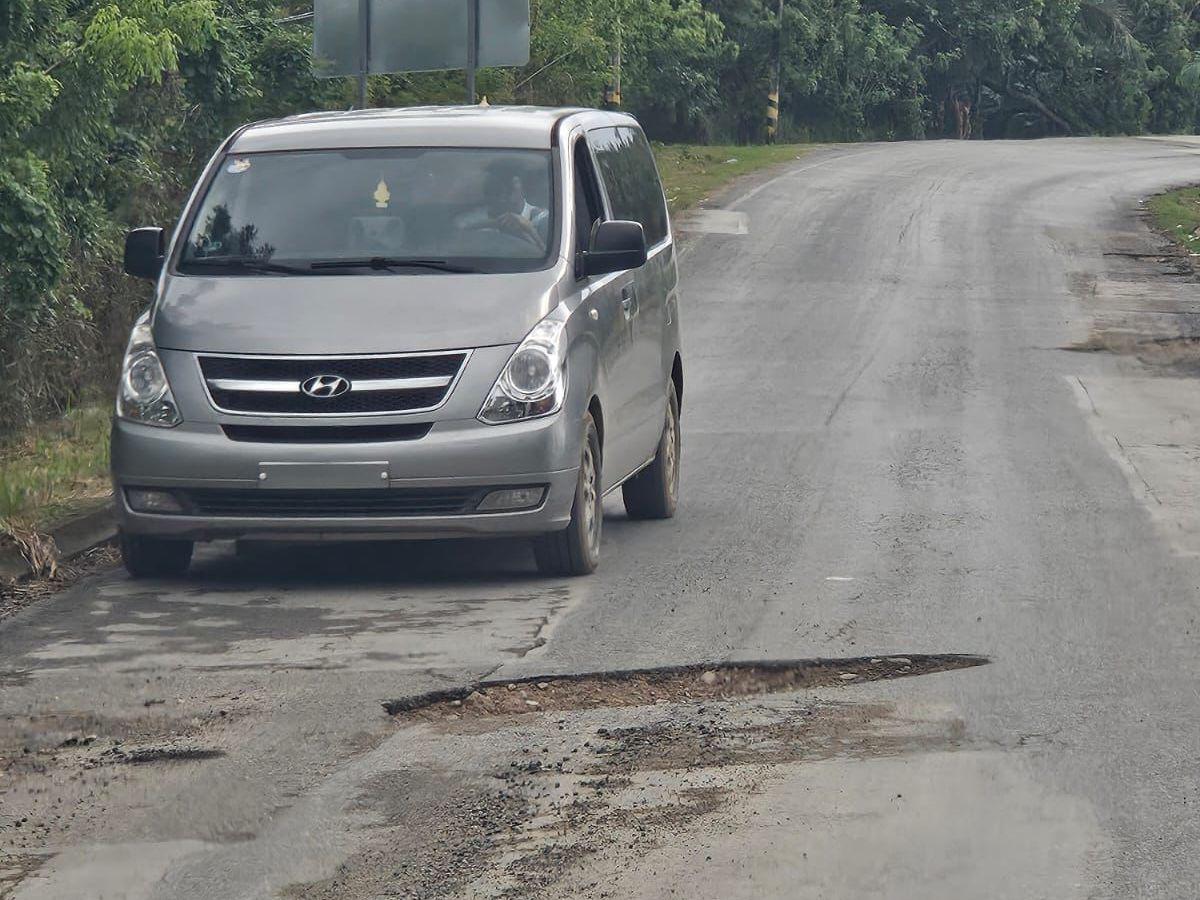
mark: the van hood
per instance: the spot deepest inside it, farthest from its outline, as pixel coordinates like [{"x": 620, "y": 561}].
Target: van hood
[{"x": 350, "y": 314}]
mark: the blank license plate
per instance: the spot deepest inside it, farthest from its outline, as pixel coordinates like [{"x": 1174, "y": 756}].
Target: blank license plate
[{"x": 317, "y": 476}]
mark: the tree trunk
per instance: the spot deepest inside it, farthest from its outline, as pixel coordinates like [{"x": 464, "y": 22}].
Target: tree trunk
[{"x": 1042, "y": 108}]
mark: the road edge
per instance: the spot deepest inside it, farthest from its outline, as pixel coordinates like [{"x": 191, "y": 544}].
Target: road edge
[{"x": 72, "y": 539}]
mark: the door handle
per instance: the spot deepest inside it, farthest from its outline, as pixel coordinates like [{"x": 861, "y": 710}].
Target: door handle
[{"x": 629, "y": 301}]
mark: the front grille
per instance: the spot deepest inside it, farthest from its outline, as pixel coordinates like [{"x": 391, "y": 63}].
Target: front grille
[
  {"x": 396, "y": 502},
  {"x": 350, "y": 404},
  {"x": 325, "y": 434},
  {"x": 352, "y": 367},
  {"x": 377, "y": 385}
]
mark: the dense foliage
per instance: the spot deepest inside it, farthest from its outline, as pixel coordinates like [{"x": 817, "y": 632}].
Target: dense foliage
[{"x": 108, "y": 109}]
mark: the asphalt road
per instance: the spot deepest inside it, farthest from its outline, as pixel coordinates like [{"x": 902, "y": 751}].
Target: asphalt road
[{"x": 890, "y": 450}]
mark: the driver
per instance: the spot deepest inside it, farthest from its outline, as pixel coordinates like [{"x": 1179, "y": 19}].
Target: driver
[{"x": 506, "y": 209}]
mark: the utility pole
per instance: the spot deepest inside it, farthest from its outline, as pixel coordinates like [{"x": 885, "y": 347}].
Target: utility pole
[
  {"x": 617, "y": 81},
  {"x": 776, "y": 75},
  {"x": 612, "y": 90}
]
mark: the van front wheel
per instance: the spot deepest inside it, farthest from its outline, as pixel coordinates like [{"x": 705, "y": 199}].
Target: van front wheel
[
  {"x": 654, "y": 492},
  {"x": 151, "y": 557},
  {"x": 576, "y": 550}
]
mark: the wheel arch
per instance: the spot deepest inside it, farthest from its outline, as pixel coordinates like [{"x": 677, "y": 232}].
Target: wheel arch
[
  {"x": 677, "y": 378},
  {"x": 597, "y": 414}
]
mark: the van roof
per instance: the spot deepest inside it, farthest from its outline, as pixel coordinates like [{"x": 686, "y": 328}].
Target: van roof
[{"x": 523, "y": 127}]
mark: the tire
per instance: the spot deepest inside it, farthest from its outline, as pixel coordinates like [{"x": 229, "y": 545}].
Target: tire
[
  {"x": 654, "y": 492},
  {"x": 151, "y": 557},
  {"x": 576, "y": 550}
]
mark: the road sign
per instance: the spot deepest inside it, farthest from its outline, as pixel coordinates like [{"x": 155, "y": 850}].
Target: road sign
[{"x": 356, "y": 37}]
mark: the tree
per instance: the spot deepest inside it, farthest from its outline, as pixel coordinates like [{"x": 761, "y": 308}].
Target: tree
[{"x": 64, "y": 68}]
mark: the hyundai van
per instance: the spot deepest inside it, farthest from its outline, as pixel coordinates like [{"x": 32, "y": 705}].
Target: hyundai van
[{"x": 416, "y": 323}]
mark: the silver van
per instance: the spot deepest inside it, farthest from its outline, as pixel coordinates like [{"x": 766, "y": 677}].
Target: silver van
[{"x": 417, "y": 323}]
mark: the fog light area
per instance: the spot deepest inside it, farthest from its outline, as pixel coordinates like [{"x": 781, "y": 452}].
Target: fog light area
[
  {"x": 512, "y": 499},
  {"x": 149, "y": 501}
]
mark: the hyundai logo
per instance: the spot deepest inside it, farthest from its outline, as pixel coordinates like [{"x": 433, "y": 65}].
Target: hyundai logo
[{"x": 325, "y": 386}]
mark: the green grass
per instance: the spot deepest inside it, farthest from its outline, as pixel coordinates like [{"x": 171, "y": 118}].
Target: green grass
[
  {"x": 1177, "y": 215},
  {"x": 691, "y": 172},
  {"x": 54, "y": 469}
]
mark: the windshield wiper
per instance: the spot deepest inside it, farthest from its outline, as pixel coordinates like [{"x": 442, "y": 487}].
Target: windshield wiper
[
  {"x": 244, "y": 264},
  {"x": 392, "y": 262}
]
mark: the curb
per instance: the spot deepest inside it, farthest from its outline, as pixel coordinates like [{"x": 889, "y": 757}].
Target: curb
[{"x": 72, "y": 538}]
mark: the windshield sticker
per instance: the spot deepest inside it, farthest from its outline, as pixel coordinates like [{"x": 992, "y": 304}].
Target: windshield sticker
[
  {"x": 238, "y": 166},
  {"x": 382, "y": 195}
]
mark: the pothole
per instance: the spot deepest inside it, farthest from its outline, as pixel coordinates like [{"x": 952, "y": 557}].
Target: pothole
[
  {"x": 634, "y": 759},
  {"x": 139, "y": 756},
  {"x": 644, "y": 687}
]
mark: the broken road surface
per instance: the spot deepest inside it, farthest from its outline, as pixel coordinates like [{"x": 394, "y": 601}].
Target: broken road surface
[{"x": 972, "y": 549}]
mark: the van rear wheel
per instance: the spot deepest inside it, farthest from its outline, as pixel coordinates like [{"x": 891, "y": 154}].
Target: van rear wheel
[
  {"x": 576, "y": 549},
  {"x": 654, "y": 492},
  {"x": 151, "y": 557}
]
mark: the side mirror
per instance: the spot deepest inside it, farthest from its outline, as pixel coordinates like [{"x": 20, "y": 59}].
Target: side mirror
[
  {"x": 145, "y": 252},
  {"x": 614, "y": 247}
]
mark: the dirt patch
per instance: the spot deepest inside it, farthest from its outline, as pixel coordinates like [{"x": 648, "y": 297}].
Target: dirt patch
[
  {"x": 620, "y": 792},
  {"x": 41, "y": 742},
  {"x": 584, "y": 827},
  {"x": 15, "y": 597},
  {"x": 816, "y": 732},
  {"x": 607, "y": 768},
  {"x": 433, "y": 835},
  {"x": 1142, "y": 302},
  {"x": 693, "y": 802},
  {"x": 15, "y": 868},
  {"x": 669, "y": 685}
]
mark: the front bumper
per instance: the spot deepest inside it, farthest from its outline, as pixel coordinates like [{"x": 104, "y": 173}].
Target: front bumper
[{"x": 455, "y": 454}]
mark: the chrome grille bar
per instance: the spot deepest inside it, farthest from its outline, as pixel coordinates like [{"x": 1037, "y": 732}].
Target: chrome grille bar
[{"x": 292, "y": 387}]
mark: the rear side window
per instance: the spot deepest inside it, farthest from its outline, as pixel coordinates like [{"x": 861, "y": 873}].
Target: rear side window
[{"x": 630, "y": 178}]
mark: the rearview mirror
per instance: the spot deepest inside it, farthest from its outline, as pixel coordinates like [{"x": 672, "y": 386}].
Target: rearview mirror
[
  {"x": 614, "y": 247},
  {"x": 145, "y": 249}
]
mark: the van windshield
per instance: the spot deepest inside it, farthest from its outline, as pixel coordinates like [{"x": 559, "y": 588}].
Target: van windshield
[{"x": 402, "y": 210}]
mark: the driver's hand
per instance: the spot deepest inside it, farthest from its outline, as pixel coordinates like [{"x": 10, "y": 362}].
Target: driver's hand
[{"x": 519, "y": 226}]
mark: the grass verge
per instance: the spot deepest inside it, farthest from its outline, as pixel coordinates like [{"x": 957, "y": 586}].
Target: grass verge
[
  {"x": 60, "y": 468},
  {"x": 1177, "y": 215},
  {"x": 54, "y": 470},
  {"x": 691, "y": 172}
]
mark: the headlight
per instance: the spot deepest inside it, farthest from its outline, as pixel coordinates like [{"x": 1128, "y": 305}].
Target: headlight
[
  {"x": 145, "y": 395},
  {"x": 534, "y": 381}
]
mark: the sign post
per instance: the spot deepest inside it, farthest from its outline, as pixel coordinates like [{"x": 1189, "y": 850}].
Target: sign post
[
  {"x": 364, "y": 50},
  {"x": 371, "y": 37},
  {"x": 472, "y": 48}
]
